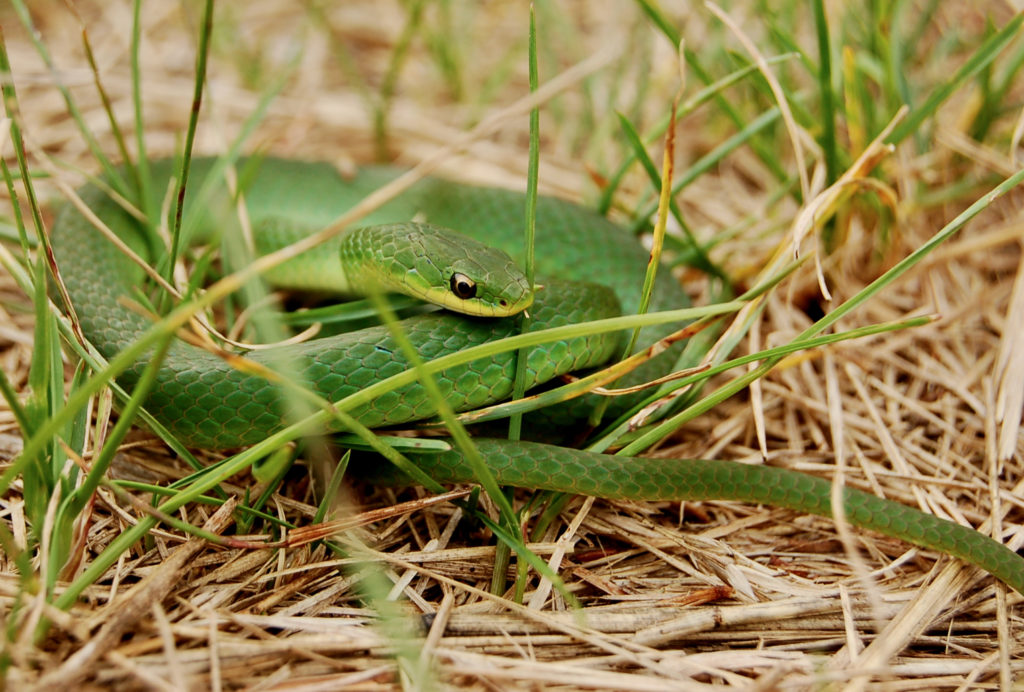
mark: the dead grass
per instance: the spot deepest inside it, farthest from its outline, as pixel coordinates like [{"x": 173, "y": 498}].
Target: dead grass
[{"x": 706, "y": 595}]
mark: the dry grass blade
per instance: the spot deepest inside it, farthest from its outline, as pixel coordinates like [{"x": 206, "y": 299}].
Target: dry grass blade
[{"x": 126, "y": 612}]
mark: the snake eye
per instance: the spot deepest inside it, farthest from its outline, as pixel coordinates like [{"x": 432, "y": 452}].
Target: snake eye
[{"x": 462, "y": 286}]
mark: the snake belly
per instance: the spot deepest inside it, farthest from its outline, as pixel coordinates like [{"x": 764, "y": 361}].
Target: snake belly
[{"x": 206, "y": 402}]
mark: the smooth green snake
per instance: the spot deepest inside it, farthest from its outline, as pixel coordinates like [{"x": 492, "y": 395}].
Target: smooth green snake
[{"x": 207, "y": 401}]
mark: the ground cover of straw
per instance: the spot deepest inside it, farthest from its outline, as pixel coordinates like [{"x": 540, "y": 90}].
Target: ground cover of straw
[{"x": 691, "y": 597}]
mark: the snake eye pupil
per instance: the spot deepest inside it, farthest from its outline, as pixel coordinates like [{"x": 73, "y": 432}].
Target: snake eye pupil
[{"x": 462, "y": 286}]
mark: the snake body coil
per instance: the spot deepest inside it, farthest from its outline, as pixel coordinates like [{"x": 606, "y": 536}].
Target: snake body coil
[{"x": 205, "y": 401}]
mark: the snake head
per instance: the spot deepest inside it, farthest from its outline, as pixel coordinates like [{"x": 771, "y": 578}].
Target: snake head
[{"x": 437, "y": 265}]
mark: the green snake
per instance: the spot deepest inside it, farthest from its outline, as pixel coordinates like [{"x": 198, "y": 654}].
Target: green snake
[{"x": 206, "y": 401}]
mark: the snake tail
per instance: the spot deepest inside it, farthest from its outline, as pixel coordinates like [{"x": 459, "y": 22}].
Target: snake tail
[{"x": 533, "y": 465}]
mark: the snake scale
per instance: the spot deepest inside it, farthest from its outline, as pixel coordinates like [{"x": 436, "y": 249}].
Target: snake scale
[{"x": 207, "y": 402}]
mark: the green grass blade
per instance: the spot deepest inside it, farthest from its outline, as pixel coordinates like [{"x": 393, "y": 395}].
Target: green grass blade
[
  {"x": 828, "y": 110},
  {"x": 712, "y": 159},
  {"x": 206, "y": 29},
  {"x": 94, "y": 147},
  {"x": 142, "y": 162},
  {"x": 529, "y": 223},
  {"x": 980, "y": 59}
]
